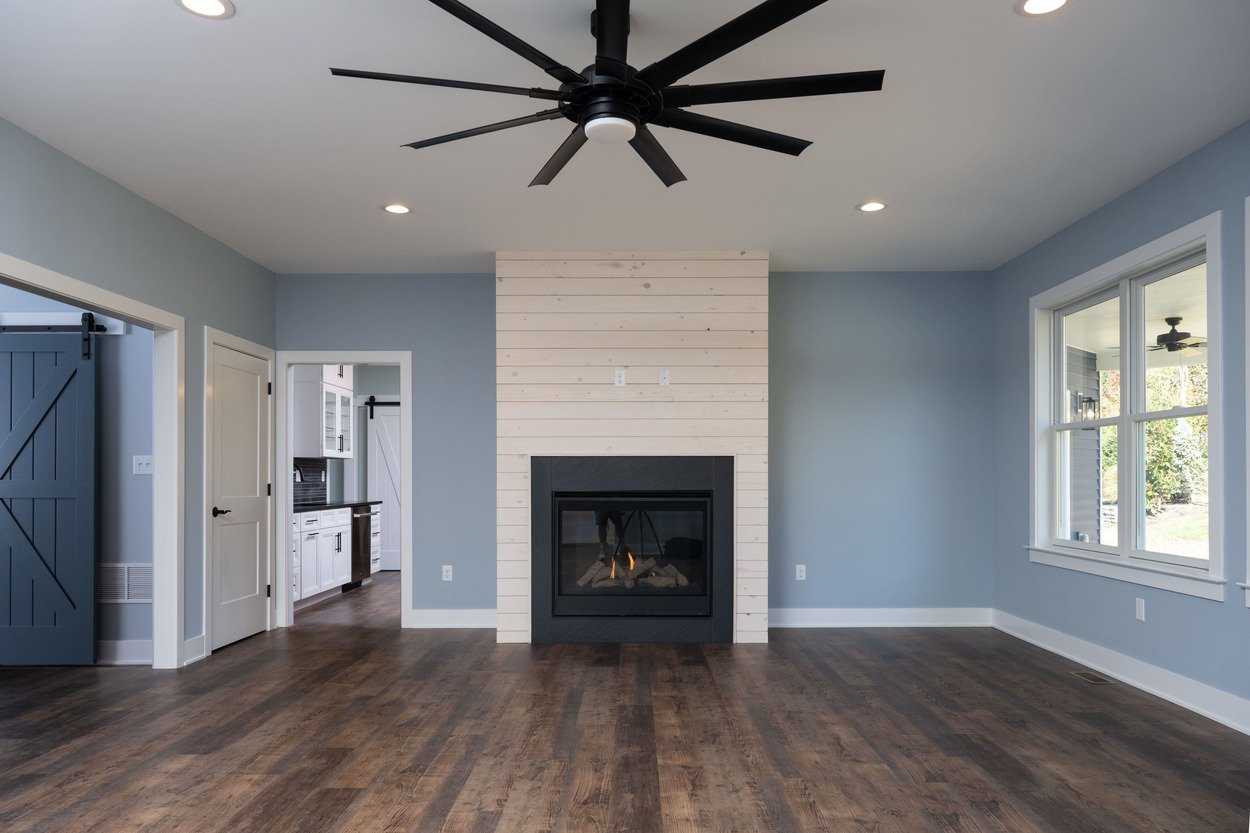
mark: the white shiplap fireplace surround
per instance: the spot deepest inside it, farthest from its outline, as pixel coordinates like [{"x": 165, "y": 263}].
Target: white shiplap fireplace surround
[{"x": 566, "y": 322}]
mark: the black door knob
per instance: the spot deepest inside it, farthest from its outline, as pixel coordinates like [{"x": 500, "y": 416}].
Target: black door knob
[{"x": 217, "y": 511}]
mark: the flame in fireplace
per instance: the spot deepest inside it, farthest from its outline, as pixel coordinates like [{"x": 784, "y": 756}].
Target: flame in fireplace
[
  {"x": 631, "y": 559},
  {"x": 613, "y": 573}
]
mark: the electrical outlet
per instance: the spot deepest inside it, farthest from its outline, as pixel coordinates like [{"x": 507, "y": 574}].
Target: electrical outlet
[
  {"x": 619, "y": 378},
  {"x": 446, "y": 572},
  {"x": 800, "y": 572},
  {"x": 142, "y": 464},
  {"x": 665, "y": 378},
  {"x": 1141, "y": 610}
]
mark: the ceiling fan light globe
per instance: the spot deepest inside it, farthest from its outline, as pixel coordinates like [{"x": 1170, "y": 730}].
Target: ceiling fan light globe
[{"x": 610, "y": 130}]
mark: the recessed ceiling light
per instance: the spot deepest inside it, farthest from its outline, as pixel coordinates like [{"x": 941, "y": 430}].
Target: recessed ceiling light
[
  {"x": 214, "y": 9},
  {"x": 871, "y": 206},
  {"x": 1033, "y": 8},
  {"x": 396, "y": 208}
]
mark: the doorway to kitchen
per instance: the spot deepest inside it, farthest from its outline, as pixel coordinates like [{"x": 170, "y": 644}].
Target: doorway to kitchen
[{"x": 335, "y": 517}]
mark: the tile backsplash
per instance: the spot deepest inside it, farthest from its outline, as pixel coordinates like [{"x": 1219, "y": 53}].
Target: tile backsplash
[{"x": 308, "y": 483}]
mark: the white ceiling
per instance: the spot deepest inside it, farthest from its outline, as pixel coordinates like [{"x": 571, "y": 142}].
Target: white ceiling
[{"x": 994, "y": 131}]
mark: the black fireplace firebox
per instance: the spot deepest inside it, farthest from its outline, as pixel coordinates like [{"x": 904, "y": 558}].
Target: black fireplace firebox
[{"x": 632, "y": 549}]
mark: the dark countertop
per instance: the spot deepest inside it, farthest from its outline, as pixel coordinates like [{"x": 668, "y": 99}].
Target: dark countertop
[{"x": 317, "y": 507}]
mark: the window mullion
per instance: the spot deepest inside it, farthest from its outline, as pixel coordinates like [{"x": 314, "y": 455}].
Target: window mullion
[{"x": 1126, "y": 439}]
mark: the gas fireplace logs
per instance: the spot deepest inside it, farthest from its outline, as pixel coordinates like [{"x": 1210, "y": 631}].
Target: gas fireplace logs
[{"x": 605, "y": 574}]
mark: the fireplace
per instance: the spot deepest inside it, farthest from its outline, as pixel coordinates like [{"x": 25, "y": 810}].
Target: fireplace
[{"x": 632, "y": 549}]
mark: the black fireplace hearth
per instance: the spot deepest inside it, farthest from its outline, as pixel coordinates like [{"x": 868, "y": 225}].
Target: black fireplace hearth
[{"x": 632, "y": 549}]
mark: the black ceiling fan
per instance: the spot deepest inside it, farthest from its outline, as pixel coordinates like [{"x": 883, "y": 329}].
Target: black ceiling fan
[
  {"x": 1174, "y": 340},
  {"x": 614, "y": 103}
]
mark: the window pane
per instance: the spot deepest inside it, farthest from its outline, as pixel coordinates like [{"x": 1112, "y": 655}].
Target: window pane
[
  {"x": 1176, "y": 487},
  {"x": 1176, "y": 343},
  {"x": 1091, "y": 361},
  {"x": 1090, "y": 488}
]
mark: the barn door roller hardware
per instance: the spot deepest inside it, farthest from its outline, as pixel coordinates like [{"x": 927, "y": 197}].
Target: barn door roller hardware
[
  {"x": 87, "y": 326},
  {"x": 373, "y": 402}
]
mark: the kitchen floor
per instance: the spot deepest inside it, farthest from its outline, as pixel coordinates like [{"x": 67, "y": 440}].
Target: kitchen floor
[{"x": 348, "y": 723}]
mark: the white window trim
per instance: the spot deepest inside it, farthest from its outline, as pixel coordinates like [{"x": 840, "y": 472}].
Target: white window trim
[
  {"x": 1208, "y": 583},
  {"x": 1246, "y": 584}
]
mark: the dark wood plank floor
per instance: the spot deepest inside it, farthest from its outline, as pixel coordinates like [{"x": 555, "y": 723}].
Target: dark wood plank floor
[{"x": 348, "y": 723}]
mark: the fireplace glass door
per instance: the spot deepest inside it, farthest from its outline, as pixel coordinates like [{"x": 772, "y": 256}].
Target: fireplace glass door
[{"x": 632, "y": 555}]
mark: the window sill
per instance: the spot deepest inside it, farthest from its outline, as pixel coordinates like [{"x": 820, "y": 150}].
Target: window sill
[{"x": 1177, "y": 580}]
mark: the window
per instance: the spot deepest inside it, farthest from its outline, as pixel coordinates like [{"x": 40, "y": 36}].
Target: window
[{"x": 1126, "y": 448}]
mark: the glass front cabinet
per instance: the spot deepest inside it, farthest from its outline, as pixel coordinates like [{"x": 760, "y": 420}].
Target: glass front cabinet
[
  {"x": 322, "y": 414},
  {"x": 336, "y": 416}
]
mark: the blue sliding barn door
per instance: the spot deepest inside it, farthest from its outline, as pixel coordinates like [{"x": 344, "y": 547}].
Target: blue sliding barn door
[{"x": 47, "y": 500}]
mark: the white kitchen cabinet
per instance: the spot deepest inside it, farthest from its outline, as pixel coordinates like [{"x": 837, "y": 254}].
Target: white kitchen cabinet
[
  {"x": 342, "y": 537},
  {"x": 336, "y": 422},
  {"x": 325, "y": 561},
  {"x": 296, "y": 575},
  {"x": 321, "y": 414},
  {"x": 334, "y": 557},
  {"x": 309, "y": 563},
  {"x": 339, "y": 375}
]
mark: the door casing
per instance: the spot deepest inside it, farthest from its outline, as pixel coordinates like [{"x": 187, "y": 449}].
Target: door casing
[
  {"x": 169, "y": 647},
  {"x": 282, "y": 487}
]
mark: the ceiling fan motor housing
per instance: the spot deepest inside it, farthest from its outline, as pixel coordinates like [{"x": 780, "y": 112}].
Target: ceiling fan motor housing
[{"x": 610, "y": 121}]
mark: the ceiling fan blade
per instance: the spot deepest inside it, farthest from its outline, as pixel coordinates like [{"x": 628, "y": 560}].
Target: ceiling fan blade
[
  {"x": 656, "y": 157},
  {"x": 502, "y": 36},
  {"x": 736, "y": 33},
  {"x": 731, "y": 131},
  {"x": 561, "y": 157},
  {"x": 840, "y": 82},
  {"x": 532, "y": 92},
  {"x": 612, "y": 37},
  {"x": 545, "y": 115}
]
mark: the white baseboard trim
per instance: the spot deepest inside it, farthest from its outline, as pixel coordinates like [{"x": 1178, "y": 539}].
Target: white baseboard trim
[
  {"x": 432, "y": 619},
  {"x": 194, "y": 649},
  {"x": 1208, "y": 701},
  {"x": 880, "y": 617},
  {"x": 123, "y": 652}
]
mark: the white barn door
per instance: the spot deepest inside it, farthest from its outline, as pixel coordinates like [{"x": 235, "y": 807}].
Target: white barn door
[{"x": 385, "y": 475}]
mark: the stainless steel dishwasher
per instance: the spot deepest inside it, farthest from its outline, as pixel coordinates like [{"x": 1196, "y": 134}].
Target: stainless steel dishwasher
[{"x": 362, "y": 530}]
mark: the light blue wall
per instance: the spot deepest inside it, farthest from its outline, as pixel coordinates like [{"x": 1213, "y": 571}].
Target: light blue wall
[
  {"x": 124, "y": 426},
  {"x": 1200, "y": 639},
  {"x": 448, "y": 323},
  {"x": 878, "y": 457},
  {"x": 62, "y": 215},
  {"x": 376, "y": 380},
  {"x": 885, "y": 502}
]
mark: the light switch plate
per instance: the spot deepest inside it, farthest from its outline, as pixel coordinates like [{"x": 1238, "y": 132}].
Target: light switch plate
[
  {"x": 1141, "y": 610},
  {"x": 800, "y": 572},
  {"x": 619, "y": 378},
  {"x": 142, "y": 464},
  {"x": 446, "y": 572},
  {"x": 665, "y": 378}
]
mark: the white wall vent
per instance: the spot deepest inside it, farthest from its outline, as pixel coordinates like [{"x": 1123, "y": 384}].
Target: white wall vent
[{"x": 122, "y": 583}]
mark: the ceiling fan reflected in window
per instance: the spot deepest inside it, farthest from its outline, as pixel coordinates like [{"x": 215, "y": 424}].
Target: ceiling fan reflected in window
[
  {"x": 1174, "y": 340},
  {"x": 614, "y": 103}
]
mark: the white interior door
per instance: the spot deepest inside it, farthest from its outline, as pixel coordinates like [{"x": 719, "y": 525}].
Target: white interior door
[
  {"x": 385, "y": 474},
  {"x": 240, "y": 482}
]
